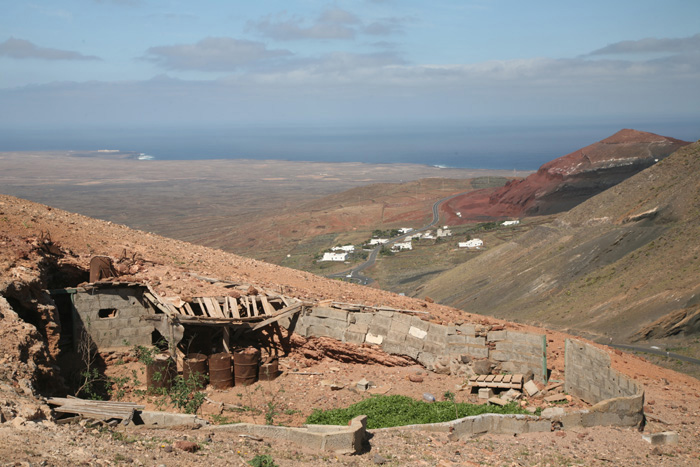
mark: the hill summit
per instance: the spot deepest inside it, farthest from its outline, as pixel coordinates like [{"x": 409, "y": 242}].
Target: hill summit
[{"x": 569, "y": 180}]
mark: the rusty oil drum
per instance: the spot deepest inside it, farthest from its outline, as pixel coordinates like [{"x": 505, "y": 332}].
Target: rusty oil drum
[
  {"x": 160, "y": 373},
  {"x": 220, "y": 375},
  {"x": 195, "y": 365},
  {"x": 245, "y": 366},
  {"x": 269, "y": 370}
]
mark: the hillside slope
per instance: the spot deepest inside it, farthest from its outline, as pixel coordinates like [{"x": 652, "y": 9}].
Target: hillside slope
[
  {"x": 623, "y": 265},
  {"x": 569, "y": 180}
]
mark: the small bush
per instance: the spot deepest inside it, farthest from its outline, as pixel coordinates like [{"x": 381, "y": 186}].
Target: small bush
[{"x": 388, "y": 411}]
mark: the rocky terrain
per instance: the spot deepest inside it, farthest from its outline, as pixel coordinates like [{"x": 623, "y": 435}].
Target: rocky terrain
[
  {"x": 44, "y": 247},
  {"x": 567, "y": 181}
]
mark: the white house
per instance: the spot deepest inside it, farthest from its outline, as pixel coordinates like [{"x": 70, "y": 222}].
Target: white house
[
  {"x": 401, "y": 246},
  {"x": 405, "y": 230},
  {"x": 334, "y": 256},
  {"x": 428, "y": 235},
  {"x": 473, "y": 243},
  {"x": 345, "y": 248},
  {"x": 378, "y": 241},
  {"x": 459, "y": 214},
  {"x": 510, "y": 223}
]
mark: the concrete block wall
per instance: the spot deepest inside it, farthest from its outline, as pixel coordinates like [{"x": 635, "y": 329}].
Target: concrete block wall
[
  {"x": 520, "y": 352},
  {"x": 405, "y": 334},
  {"x": 590, "y": 377},
  {"x": 112, "y": 332}
]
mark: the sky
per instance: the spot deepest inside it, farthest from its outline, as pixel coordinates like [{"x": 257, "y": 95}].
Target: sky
[{"x": 124, "y": 63}]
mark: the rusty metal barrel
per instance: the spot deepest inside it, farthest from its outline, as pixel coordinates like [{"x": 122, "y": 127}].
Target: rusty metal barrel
[
  {"x": 220, "y": 376},
  {"x": 160, "y": 373},
  {"x": 194, "y": 365},
  {"x": 269, "y": 369},
  {"x": 245, "y": 366}
]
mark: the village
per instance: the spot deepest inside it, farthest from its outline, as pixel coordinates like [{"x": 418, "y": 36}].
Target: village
[{"x": 402, "y": 240}]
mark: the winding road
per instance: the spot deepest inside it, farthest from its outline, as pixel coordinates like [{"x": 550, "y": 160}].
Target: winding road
[{"x": 355, "y": 274}]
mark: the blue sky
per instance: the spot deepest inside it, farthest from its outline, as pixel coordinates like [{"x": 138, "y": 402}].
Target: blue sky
[{"x": 143, "y": 62}]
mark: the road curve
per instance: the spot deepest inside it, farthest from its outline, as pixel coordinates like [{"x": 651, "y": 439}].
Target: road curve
[{"x": 355, "y": 274}]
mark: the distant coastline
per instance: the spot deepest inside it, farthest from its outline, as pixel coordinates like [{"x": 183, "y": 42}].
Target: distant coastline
[{"x": 487, "y": 146}]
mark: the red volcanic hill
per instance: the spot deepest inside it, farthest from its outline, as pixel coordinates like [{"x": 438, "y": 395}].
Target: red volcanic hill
[{"x": 567, "y": 181}]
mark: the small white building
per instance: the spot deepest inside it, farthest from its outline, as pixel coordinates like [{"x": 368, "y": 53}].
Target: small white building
[
  {"x": 474, "y": 243},
  {"x": 402, "y": 246},
  {"x": 459, "y": 214},
  {"x": 441, "y": 233},
  {"x": 405, "y": 230},
  {"x": 328, "y": 256},
  {"x": 428, "y": 235},
  {"x": 510, "y": 223},
  {"x": 345, "y": 248},
  {"x": 378, "y": 241}
]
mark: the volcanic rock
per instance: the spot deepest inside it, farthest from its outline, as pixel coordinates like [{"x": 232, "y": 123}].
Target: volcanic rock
[{"x": 567, "y": 181}]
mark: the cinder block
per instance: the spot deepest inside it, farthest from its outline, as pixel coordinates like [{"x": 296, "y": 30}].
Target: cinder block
[
  {"x": 386, "y": 313},
  {"x": 361, "y": 328},
  {"x": 476, "y": 340},
  {"x": 527, "y": 338},
  {"x": 477, "y": 351},
  {"x": 354, "y": 337},
  {"x": 396, "y": 337},
  {"x": 485, "y": 393},
  {"x": 331, "y": 313},
  {"x": 400, "y": 325},
  {"x": 433, "y": 348},
  {"x": 497, "y": 336},
  {"x": 379, "y": 320},
  {"x": 414, "y": 343},
  {"x": 456, "y": 339},
  {"x": 420, "y": 324},
  {"x": 363, "y": 318},
  {"x": 417, "y": 332},
  {"x": 371, "y": 338},
  {"x": 426, "y": 359}
]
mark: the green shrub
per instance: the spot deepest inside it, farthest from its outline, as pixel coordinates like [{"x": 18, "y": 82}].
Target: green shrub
[{"x": 388, "y": 411}]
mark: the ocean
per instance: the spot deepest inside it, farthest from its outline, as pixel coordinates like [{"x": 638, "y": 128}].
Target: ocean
[{"x": 521, "y": 146}]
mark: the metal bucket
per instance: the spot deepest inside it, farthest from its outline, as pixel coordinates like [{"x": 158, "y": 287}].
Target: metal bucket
[
  {"x": 269, "y": 370},
  {"x": 220, "y": 375},
  {"x": 160, "y": 373},
  {"x": 194, "y": 365},
  {"x": 245, "y": 363}
]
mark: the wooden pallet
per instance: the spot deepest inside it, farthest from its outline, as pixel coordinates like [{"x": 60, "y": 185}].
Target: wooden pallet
[{"x": 497, "y": 381}]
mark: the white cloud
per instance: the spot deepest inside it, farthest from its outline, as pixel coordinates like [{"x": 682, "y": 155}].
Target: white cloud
[
  {"x": 652, "y": 45},
  {"x": 332, "y": 24},
  {"x": 21, "y": 49},
  {"x": 213, "y": 54}
]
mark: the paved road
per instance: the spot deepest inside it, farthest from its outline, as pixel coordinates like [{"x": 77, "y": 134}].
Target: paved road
[
  {"x": 355, "y": 274},
  {"x": 656, "y": 351}
]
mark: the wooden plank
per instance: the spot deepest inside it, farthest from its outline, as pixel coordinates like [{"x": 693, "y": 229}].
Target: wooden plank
[
  {"x": 490, "y": 378},
  {"x": 210, "y": 307},
  {"x": 498, "y": 379},
  {"x": 482, "y": 378},
  {"x": 518, "y": 379},
  {"x": 267, "y": 308},
  {"x": 507, "y": 378},
  {"x": 234, "y": 308},
  {"x": 189, "y": 309},
  {"x": 217, "y": 308},
  {"x": 280, "y": 315},
  {"x": 227, "y": 312}
]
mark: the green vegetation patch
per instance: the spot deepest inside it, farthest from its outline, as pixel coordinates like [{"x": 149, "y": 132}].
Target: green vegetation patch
[{"x": 388, "y": 411}]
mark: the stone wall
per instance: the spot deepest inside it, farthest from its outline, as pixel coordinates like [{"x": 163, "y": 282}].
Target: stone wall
[
  {"x": 404, "y": 334},
  {"x": 590, "y": 377},
  {"x": 92, "y": 312}
]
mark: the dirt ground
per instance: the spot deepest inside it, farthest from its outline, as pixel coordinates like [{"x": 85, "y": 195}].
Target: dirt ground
[{"x": 31, "y": 438}]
